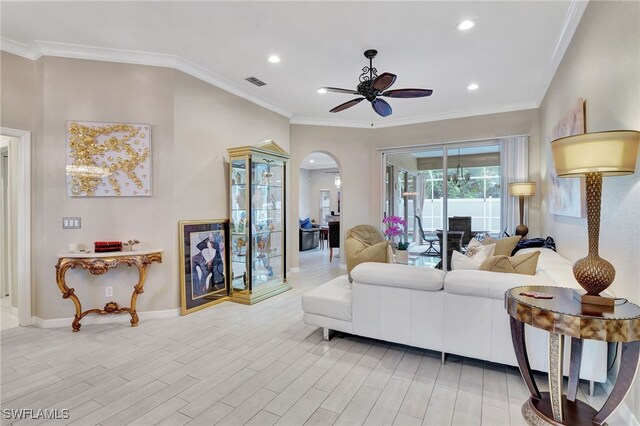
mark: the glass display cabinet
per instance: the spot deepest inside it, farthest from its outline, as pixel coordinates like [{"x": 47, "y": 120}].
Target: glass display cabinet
[{"x": 258, "y": 250}]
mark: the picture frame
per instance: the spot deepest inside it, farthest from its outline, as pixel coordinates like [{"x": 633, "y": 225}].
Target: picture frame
[
  {"x": 204, "y": 263},
  {"x": 567, "y": 196}
]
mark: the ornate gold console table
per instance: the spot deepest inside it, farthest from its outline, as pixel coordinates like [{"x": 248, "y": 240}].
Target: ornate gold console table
[
  {"x": 565, "y": 316},
  {"x": 99, "y": 264}
]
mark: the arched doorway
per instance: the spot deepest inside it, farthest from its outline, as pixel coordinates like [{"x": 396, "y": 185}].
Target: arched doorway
[{"x": 320, "y": 202}]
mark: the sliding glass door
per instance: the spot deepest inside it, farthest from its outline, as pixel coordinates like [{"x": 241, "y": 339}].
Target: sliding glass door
[{"x": 445, "y": 211}]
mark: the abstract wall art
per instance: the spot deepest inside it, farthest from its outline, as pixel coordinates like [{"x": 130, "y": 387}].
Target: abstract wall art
[
  {"x": 108, "y": 159},
  {"x": 567, "y": 196}
]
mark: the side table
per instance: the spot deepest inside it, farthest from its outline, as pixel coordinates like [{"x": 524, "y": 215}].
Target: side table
[
  {"x": 99, "y": 264},
  {"x": 565, "y": 316}
]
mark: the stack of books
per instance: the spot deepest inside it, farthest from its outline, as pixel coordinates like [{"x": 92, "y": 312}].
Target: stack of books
[{"x": 107, "y": 246}]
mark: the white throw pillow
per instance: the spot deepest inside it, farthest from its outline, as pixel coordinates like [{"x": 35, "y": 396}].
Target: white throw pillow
[
  {"x": 460, "y": 261},
  {"x": 476, "y": 254},
  {"x": 479, "y": 252}
]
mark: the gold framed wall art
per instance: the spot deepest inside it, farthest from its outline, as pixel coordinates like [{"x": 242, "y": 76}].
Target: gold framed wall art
[{"x": 108, "y": 159}]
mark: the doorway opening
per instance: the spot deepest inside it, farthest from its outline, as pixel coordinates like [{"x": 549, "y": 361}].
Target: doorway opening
[
  {"x": 447, "y": 195},
  {"x": 15, "y": 224},
  {"x": 320, "y": 206}
]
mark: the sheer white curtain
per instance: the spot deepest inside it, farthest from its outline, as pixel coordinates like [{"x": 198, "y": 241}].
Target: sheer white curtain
[
  {"x": 514, "y": 159},
  {"x": 418, "y": 207}
]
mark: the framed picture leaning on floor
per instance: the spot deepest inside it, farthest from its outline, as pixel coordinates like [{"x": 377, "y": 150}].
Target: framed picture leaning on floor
[{"x": 204, "y": 263}]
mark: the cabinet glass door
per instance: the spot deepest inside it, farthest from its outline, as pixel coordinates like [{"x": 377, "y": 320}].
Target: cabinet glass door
[
  {"x": 267, "y": 222},
  {"x": 239, "y": 224}
]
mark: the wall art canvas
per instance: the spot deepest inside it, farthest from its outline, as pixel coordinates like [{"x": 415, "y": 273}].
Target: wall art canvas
[
  {"x": 567, "y": 196},
  {"x": 204, "y": 263},
  {"x": 108, "y": 159}
]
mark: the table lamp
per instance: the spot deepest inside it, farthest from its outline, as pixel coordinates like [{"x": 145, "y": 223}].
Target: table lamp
[
  {"x": 521, "y": 190},
  {"x": 594, "y": 155}
]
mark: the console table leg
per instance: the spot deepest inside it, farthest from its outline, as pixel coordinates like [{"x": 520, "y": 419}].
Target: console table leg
[
  {"x": 520, "y": 347},
  {"x": 574, "y": 368},
  {"x": 68, "y": 293},
  {"x": 556, "y": 352},
  {"x": 137, "y": 289},
  {"x": 626, "y": 374}
]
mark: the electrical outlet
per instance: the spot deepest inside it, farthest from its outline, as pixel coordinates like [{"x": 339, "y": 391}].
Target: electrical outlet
[{"x": 108, "y": 291}]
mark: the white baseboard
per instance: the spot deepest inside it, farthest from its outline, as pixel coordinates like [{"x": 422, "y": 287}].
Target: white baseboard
[
  {"x": 623, "y": 410},
  {"x": 105, "y": 319}
]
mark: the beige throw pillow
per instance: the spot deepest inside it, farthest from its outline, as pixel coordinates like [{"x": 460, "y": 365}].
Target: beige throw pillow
[
  {"x": 521, "y": 264},
  {"x": 504, "y": 246}
]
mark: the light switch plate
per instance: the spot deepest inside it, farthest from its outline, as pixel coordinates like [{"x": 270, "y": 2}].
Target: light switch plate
[{"x": 71, "y": 223}]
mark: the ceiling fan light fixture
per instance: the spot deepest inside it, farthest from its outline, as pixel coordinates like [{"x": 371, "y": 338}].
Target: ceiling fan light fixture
[
  {"x": 322, "y": 90},
  {"x": 274, "y": 59},
  {"x": 465, "y": 25},
  {"x": 372, "y": 86}
]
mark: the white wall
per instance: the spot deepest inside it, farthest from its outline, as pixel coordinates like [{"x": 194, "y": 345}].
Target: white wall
[
  {"x": 602, "y": 65},
  {"x": 192, "y": 125},
  {"x": 303, "y": 196},
  {"x": 320, "y": 179}
]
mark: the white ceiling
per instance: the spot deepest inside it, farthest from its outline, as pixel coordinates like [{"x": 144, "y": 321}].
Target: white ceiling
[{"x": 512, "y": 53}]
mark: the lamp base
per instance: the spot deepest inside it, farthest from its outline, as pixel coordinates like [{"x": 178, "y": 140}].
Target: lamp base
[
  {"x": 594, "y": 274},
  {"x": 594, "y": 305},
  {"x": 589, "y": 299},
  {"x": 522, "y": 230}
]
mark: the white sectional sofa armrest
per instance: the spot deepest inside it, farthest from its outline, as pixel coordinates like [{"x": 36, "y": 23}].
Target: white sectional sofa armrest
[{"x": 396, "y": 275}]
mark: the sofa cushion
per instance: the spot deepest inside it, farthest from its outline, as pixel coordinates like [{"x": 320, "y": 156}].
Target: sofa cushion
[
  {"x": 331, "y": 299},
  {"x": 397, "y": 275},
  {"x": 488, "y": 284},
  {"x": 504, "y": 246}
]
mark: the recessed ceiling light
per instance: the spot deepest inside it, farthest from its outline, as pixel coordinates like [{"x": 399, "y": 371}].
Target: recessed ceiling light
[
  {"x": 312, "y": 161},
  {"x": 465, "y": 25},
  {"x": 472, "y": 86},
  {"x": 322, "y": 90},
  {"x": 274, "y": 59}
]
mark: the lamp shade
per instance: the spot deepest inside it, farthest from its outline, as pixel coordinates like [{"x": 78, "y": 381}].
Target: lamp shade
[
  {"x": 526, "y": 189},
  {"x": 610, "y": 153}
]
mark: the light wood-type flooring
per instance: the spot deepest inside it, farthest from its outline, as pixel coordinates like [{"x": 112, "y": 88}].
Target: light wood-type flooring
[{"x": 256, "y": 365}]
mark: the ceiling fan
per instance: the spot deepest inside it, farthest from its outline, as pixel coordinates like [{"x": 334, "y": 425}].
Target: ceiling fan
[{"x": 372, "y": 86}]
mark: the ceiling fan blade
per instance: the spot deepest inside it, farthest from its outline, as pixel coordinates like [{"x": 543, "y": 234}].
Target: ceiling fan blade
[
  {"x": 407, "y": 93},
  {"x": 381, "y": 107},
  {"x": 384, "y": 81},
  {"x": 338, "y": 90},
  {"x": 346, "y": 105}
]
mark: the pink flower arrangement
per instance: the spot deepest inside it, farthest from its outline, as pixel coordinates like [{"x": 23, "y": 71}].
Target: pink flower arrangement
[{"x": 394, "y": 226}]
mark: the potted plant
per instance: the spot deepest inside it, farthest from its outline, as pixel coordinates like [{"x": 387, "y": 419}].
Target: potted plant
[{"x": 394, "y": 227}]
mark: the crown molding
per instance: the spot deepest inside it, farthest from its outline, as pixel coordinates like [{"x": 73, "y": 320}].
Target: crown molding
[
  {"x": 412, "y": 120},
  {"x": 38, "y": 49},
  {"x": 19, "y": 49},
  {"x": 571, "y": 21}
]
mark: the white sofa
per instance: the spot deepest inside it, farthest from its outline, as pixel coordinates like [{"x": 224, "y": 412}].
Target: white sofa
[{"x": 461, "y": 312}]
